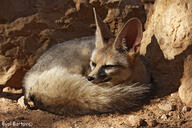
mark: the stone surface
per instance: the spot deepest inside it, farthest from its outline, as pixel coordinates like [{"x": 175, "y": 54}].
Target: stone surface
[
  {"x": 21, "y": 43},
  {"x": 6, "y": 89},
  {"x": 164, "y": 117},
  {"x": 136, "y": 121},
  {"x": 167, "y": 42},
  {"x": 167, "y": 107},
  {"x": 170, "y": 22},
  {"x": 152, "y": 123},
  {"x": 11, "y": 10},
  {"x": 28, "y": 28},
  {"x": 186, "y": 109},
  {"x": 185, "y": 90},
  {"x": 69, "y": 16},
  {"x": 21, "y": 103}
]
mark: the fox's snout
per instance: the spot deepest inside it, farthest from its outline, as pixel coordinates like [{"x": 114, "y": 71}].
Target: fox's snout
[
  {"x": 97, "y": 77},
  {"x": 90, "y": 78}
]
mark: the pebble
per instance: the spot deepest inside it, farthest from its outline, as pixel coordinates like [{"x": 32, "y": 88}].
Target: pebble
[
  {"x": 152, "y": 123},
  {"x": 11, "y": 90},
  {"x": 21, "y": 102},
  {"x": 164, "y": 117},
  {"x": 186, "y": 109},
  {"x": 6, "y": 89},
  {"x": 174, "y": 95},
  {"x": 178, "y": 116},
  {"x": 136, "y": 121},
  {"x": 170, "y": 114},
  {"x": 4, "y": 100},
  {"x": 167, "y": 107}
]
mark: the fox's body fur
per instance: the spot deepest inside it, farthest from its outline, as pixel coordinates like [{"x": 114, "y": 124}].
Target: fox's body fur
[
  {"x": 119, "y": 80},
  {"x": 62, "y": 55}
]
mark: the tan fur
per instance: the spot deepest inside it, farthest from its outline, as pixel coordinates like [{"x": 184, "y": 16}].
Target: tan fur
[
  {"x": 66, "y": 93},
  {"x": 131, "y": 69}
]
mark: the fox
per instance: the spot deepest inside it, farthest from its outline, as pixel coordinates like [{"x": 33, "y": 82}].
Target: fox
[{"x": 89, "y": 75}]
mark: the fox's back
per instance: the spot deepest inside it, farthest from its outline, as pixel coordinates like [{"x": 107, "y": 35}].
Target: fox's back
[{"x": 72, "y": 55}]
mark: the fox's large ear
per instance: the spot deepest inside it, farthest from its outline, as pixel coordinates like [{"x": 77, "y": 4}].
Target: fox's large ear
[
  {"x": 102, "y": 32},
  {"x": 129, "y": 37}
]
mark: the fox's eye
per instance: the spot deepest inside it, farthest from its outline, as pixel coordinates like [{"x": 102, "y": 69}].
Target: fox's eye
[
  {"x": 109, "y": 66},
  {"x": 93, "y": 64}
]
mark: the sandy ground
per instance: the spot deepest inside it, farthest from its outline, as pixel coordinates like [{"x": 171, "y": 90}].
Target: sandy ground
[{"x": 166, "y": 112}]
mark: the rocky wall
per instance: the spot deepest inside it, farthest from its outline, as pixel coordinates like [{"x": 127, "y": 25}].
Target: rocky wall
[{"x": 167, "y": 43}]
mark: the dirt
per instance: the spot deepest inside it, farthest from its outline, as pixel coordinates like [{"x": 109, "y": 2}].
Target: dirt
[{"x": 151, "y": 115}]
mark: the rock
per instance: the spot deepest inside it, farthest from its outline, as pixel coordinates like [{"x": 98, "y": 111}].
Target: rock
[
  {"x": 152, "y": 123},
  {"x": 185, "y": 90},
  {"x": 171, "y": 26},
  {"x": 174, "y": 95},
  {"x": 164, "y": 117},
  {"x": 6, "y": 89},
  {"x": 136, "y": 121},
  {"x": 21, "y": 46},
  {"x": 167, "y": 107},
  {"x": 178, "y": 116},
  {"x": 11, "y": 10},
  {"x": 11, "y": 90},
  {"x": 114, "y": 13},
  {"x": 170, "y": 113},
  {"x": 186, "y": 109},
  {"x": 21, "y": 103},
  {"x": 166, "y": 42}
]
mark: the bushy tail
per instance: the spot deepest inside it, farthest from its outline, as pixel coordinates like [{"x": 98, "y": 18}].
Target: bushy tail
[{"x": 62, "y": 93}]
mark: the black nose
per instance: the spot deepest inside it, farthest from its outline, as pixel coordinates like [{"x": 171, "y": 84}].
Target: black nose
[{"x": 90, "y": 78}]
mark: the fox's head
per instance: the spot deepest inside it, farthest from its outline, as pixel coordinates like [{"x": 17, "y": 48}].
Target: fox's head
[{"x": 113, "y": 58}]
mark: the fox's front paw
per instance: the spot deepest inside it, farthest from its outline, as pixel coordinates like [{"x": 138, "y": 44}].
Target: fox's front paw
[{"x": 29, "y": 103}]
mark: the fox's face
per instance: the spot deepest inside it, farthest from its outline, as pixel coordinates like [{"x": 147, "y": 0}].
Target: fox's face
[
  {"x": 108, "y": 65},
  {"x": 112, "y": 61}
]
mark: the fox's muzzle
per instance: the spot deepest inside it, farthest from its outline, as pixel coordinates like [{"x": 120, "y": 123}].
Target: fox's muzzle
[
  {"x": 100, "y": 77},
  {"x": 90, "y": 78},
  {"x": 101, "y": 73}
]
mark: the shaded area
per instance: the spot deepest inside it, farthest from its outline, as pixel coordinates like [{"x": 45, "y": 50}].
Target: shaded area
[{"x": 166, "y": 74}]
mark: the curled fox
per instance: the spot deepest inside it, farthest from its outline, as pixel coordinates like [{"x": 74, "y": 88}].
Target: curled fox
[{"x": 95, "y": 74}]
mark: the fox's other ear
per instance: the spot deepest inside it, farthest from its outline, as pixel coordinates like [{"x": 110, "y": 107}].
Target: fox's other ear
[
  {"x": 129, "y": 38},
  {"x": 102, "y": 32}
]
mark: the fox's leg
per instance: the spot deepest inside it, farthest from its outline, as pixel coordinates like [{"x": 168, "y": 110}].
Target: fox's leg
[{"x": 30, "y": 80}]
